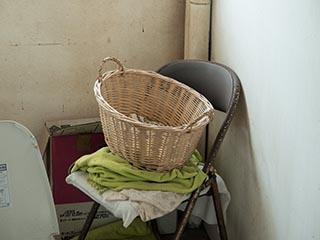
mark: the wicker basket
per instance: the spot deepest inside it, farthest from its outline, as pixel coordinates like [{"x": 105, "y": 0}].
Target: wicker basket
[{"x": 151, "y": 120}]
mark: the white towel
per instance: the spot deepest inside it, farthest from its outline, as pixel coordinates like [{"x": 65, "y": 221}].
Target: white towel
[
  {"x": 148, "y": 204},
  {"x": 130, "y": 203}
]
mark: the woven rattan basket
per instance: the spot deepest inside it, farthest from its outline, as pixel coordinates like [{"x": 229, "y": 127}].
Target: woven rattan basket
[{"x": 151, "y": 120}]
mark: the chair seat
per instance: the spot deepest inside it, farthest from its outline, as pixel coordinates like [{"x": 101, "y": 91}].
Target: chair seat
[{"x": 127, "y": 210}]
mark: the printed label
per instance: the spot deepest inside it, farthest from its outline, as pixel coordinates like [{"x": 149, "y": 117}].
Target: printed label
[{"x": 4, "y": 186}]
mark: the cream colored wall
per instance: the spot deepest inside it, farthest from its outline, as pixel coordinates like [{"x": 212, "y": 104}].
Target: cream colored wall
[
  {"x": 50, "y": 51},
  {"x": 270, "y": 160}
]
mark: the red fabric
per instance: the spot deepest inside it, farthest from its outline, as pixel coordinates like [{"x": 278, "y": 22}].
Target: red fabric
[{"x": 64, "y": 151}]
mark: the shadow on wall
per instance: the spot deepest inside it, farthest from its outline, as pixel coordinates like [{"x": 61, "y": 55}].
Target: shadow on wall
[{"x": 247, "y": 214}]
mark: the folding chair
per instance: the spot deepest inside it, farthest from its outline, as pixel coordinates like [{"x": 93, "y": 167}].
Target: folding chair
[{"x": 221, "y": 86}]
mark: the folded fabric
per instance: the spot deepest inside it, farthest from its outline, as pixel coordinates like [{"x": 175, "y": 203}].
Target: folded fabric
[
  {"x": 138, "y": 230},
  {"x": 148, "y": 204},
  {"x": 126, "y": 209},
  {"x": 109, "y": 171}
]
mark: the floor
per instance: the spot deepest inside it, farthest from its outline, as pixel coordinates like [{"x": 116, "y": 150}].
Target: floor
[
  {"x": 195, "y": 230},
  {"x": 190, "y": 234}
]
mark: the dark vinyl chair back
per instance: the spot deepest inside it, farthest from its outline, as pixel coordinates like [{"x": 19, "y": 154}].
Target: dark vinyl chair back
[
  {"x": 221, "y": 86},
  {"x": 217, "y": 82}
]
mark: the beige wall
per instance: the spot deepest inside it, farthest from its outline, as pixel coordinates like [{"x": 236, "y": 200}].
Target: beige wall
[
  {"x": 50, "y": 51},
  {"x": 270, "y": 160}
]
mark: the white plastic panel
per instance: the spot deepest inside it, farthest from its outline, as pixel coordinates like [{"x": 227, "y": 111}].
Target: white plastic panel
[{"x": 26, "y": 205}]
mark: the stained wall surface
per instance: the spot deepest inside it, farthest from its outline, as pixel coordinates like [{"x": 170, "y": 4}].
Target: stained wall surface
[{"x": 50, "y": 51}]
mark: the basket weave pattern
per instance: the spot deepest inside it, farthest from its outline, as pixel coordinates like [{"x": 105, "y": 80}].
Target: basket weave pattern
[{"x": 152, "y": 121}]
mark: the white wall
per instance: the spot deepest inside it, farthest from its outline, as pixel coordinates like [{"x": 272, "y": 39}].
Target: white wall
[
  {"x": 272, "y": 163},
  {"x": 50, "y": 51}
]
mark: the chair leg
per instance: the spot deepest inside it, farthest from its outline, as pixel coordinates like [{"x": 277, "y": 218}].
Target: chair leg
[
  {"x": 218, "y": 208},
  {"x": 155, "y": 229},
  {"x": 186, "y": 214},
  {"x": 89, "y": 220}
]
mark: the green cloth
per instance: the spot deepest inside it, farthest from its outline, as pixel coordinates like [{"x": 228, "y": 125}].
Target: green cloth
[
  {"x": 109, "y": 171},
  {"x": 137, "y": 230}
]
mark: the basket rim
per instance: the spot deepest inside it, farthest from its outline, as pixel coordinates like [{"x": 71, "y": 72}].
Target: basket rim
[
  {"x": 103, "y": 103},
  {"x": 181, "y": 128}
]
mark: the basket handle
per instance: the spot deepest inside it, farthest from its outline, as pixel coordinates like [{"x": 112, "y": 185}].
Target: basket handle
[
  {"x": 114, "y": 59},
  {"x": 208, "y": 114}
]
